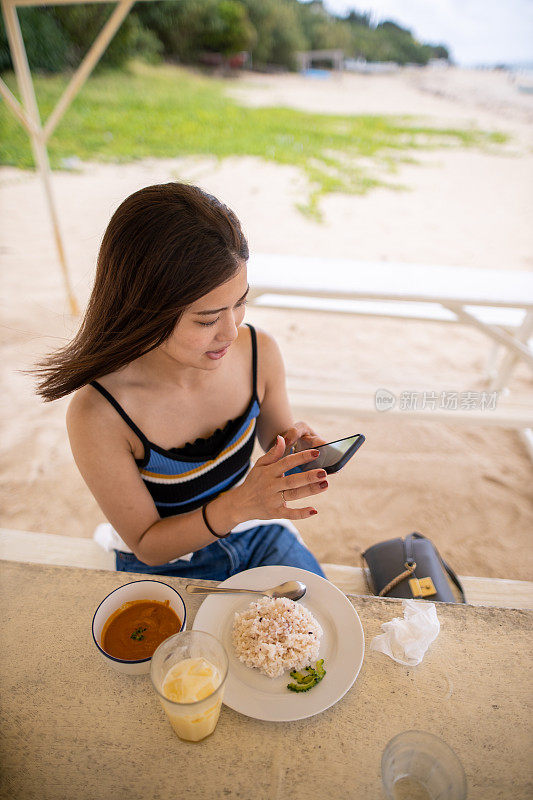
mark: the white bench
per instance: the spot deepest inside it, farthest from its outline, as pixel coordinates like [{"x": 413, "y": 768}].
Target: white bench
[
  {"x": 48, "y": 548},
  {"x": 498, "y": 303}
]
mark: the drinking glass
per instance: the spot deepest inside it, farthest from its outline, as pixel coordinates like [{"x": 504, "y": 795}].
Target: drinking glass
[
  {"x": 196, "y": 720},
  {"x": 419, "y": 766}
]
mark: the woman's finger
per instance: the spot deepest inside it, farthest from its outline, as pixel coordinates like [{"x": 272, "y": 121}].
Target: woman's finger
[
  {"x": 294, "y": 460},
  {"x": 300, "y": 479},
  {"x": 312, "y": 440},
  {"x": 299, "y": 513},
  {"x": 291, "y": 435},
  {"x": 305, "y": 491},
  {"x": 274, "y": 454}
]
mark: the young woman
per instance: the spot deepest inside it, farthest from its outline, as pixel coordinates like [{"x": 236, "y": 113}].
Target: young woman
[{"x": 171, "y": 390}]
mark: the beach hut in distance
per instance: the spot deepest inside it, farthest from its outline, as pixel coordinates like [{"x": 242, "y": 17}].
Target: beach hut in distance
[{"x": 306, "y": 58}]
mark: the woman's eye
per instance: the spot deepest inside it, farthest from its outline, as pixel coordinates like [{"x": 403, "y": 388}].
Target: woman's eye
[{"x": 208, "y": 324}]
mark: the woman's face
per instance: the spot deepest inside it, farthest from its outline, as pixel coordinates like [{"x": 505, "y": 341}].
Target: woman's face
[{"x": 209, "y": 326}]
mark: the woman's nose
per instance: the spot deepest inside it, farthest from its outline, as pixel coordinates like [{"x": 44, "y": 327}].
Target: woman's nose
[{"x": 229, "y": 330}]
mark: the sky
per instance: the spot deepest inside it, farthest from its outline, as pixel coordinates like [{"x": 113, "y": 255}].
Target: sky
[{"x": 476, "y": 31}]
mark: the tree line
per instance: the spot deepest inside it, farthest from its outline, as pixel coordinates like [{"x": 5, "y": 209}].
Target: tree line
[{"x": 211, "y": 32}]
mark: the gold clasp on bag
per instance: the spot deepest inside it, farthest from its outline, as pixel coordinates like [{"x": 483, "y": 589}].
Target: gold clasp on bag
[{"x": 422, "y": 587}]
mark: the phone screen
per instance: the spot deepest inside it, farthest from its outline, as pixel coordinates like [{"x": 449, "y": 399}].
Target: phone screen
[{"x": 332, "y": 452}]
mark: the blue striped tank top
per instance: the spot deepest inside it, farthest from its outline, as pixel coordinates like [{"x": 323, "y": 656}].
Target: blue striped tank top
[{"x": 184, "y": 478}]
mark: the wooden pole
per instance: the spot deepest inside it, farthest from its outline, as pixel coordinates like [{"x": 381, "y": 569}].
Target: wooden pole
[
  {"x": 22, "y": 71},
  {"x": 87, "y": 65},
  {"x": 15, "y": 107},
  {"x": 28, "y": 114}
]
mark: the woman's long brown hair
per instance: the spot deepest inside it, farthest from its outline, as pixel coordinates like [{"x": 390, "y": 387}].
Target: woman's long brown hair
[{"x": 165, "y": 247}]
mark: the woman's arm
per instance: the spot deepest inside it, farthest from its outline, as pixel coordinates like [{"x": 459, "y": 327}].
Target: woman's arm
[
  {"x": 103, "y": 454},
  {"x": 276, "y": 416}
]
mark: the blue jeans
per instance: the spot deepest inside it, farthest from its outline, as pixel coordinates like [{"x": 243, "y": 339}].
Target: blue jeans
[{"x": 255, "y": 547}]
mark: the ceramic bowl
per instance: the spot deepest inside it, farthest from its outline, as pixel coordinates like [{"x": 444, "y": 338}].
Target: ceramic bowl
[{"x": 136, "y": 590}]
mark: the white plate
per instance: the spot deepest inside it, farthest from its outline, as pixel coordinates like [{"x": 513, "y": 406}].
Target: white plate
[{"x": 342, "y": 647}]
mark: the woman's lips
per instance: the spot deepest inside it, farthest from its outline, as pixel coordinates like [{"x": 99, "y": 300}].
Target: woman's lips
[{"x": 217, "y": 353}]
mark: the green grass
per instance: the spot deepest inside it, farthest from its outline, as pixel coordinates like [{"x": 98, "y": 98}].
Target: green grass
[{"x": 165, "y": 111}]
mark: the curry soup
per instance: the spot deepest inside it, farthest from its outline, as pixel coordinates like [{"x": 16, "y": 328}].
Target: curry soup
[{"x": 137, "y": 628}]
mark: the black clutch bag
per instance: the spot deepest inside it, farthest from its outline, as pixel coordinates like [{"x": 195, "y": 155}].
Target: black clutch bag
[{"x": 411, "y": 568}]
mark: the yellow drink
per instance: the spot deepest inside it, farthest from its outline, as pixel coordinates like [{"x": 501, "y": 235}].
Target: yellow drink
[
  {"x": 188, "y": 673},
  {"x": 409, "y": 789},
  {"x": 192, "y": 681}
]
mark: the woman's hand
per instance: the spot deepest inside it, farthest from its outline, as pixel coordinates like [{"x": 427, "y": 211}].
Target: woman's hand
[
  {"x": 264, "y": 493},
  {"x": 302, "y": 437}
]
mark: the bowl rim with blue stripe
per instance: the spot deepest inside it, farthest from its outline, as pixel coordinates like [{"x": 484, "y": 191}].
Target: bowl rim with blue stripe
[{"x": 143, "y": 589}]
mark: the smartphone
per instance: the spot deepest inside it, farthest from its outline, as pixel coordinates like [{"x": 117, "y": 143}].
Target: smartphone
[{"x": 333, "y": 455}]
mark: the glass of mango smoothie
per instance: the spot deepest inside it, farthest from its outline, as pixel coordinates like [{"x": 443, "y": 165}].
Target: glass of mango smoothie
[{"x": 188, "y": 672}]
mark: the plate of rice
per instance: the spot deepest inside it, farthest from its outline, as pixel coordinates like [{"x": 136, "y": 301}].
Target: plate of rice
[{"x": 266, "y": 638}]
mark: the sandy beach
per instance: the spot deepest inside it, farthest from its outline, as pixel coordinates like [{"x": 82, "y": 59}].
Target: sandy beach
[{"x": 468, "y": 488}]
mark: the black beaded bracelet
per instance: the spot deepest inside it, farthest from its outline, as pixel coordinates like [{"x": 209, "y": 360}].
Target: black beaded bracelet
[{"x": 208, "y": 526}]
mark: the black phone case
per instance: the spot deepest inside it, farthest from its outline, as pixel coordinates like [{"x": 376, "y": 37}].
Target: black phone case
[
  {"x": 335, "y": 467},
  {"x": 346, "y": 457}
]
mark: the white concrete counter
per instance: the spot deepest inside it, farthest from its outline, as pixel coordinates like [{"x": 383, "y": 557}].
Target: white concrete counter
[{"x": 73, "y": 728}]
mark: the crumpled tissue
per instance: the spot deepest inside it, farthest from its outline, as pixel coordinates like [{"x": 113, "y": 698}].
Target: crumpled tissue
[{"x": 406, "y": 640}]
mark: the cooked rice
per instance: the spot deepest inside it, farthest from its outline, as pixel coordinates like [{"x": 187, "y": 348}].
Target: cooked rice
[{"x": 274, "y": 635}]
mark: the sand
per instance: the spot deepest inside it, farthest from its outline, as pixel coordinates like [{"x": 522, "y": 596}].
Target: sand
[{"x": 467, "y": 488}]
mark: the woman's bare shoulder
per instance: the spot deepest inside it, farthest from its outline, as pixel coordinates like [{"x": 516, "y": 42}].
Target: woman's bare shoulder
[
  {"x": 268, "y": 349},
  {"x": 88, "y": 412},
  {"x": 82, "y": 403},
  {"x": 265, "y": 341}
]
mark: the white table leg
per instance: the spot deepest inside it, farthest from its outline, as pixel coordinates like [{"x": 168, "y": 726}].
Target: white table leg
[
  {"x": 527, "y": 437},
  {"x": 510, "y": 360},
  {"x": 490, "y": 364}
]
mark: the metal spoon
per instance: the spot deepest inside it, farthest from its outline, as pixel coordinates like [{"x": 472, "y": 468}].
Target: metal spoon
[{"x": 291, "y": 589}]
